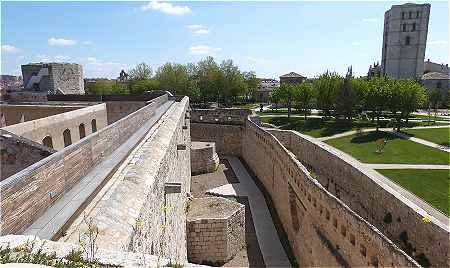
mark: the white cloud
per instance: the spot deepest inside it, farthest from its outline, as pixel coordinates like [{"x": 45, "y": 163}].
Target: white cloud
[
  {"x": 204, "y": 50},
  {"x": 438, "y": 42},
  {"x": 199, "y": 29},
  {"x": 167, "y": 8},
  {"x": 87, "y": 43},
  {"x": 356, "y": 43},
  {"x": 258, "y": 60},
  {"x": 10, "y": 49},
  {"x": 61, "y": 42},
  {"x": 47, "y": 58},
  {"x": 370, "y": 19},
  {"x": 94, "y": 67}
]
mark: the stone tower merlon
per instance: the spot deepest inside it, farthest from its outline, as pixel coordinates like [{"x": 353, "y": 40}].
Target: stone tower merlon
[
  {"x": 53, "y": 78},
  {"x": 404, "y": 40}
]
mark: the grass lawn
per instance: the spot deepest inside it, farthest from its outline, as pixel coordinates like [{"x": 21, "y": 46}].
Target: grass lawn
[
  {"x": 425, "y": 117},
  {"x": 316, "y": 127},
  {"x": 396, "y": 151},
  {"x": 247, "y": 106},
  {"x": 430, "y": 185},
  {"x": 436, "y": 135}
]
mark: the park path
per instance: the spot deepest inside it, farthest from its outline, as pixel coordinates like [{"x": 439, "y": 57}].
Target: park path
[
  {"x": 404, "y": 166},
  {"x": 269, "y": 242}
]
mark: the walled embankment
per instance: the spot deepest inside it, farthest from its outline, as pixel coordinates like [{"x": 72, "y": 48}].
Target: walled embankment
[
  {"x": 223, "y": 126},
  {"x": 28, "y": 194},
  {"x": 322, "y": 230},
  {"x": 398, "y": 218},
  {"x": 59, "y": 127},
  {"x": 142, "y": 208}
]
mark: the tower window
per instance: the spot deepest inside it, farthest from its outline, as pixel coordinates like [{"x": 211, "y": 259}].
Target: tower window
[
  {"x": 417, "y": 14},
  {"x": 407, "y": 40},
  {"x": 413, "y": 27},
  {"x": 439, "y": 84},
  {"x": 403, "y": 15},
  {"x": 404, "y": 27},
  {"x": 410, "y": 14}
]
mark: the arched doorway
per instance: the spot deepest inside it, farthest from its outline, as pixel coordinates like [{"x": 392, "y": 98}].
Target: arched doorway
[
  {"x": 47, "y": 141},
  {"x": 94, "y": 125},
  {"x": 82, "y": 131},
  {"x": 67, "y": 138}
]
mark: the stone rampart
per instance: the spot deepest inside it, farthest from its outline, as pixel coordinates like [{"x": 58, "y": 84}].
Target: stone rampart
[
  {"x": 204, "y": 158},
  {"x": 75, "y": 124},
  {"x": 143, "y": 206},
  {"x": 26, "y": 195},
  {"x": 223, "y": 126},
  {"x": 397, "y": 217},
  {"x": 322, "y": 230}
]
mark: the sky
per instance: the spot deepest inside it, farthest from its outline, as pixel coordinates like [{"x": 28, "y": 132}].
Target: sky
[{"x": 270, "y": 38}]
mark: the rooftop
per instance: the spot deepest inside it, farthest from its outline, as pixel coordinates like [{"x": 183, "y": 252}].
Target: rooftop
[
  {"x": 435, "y": 76},
  {"x": 292, "y": 74}
]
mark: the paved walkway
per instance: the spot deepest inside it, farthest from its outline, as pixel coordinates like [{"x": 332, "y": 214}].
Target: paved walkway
[
  {"x": 404, "y": 166},
  {"x": 268, "y": 240}
]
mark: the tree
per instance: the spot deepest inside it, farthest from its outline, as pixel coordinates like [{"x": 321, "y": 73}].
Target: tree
[
  {"x": 141, "y": 72},
  {"x": 145, "y": 85},
  {"x": 231, "y": 82},
  {"x": 286, "y": 95},
  {"x": 304, "y": 95},
  {"x": 346, "y": 99},
  {"x": 394, "y": 100},
  {"x": 208, "y": 79},
  {"x": 107, "y": 87},
  {"x": 377, "y": 97},
  {"x": 173, "y": 77},
  {"x": 326, "y": 86},
  {"x": 413, "y": 97},
  {"x": 275, "y": 97},
  {"x": 251, "y": 85},
  {"x": 435, "y": 98}
]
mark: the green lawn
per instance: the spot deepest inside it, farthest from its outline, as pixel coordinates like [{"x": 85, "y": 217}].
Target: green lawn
[
  {"x": 430, "y": 185},
  {"x": 247, "y": 105},
  {"x": 425, "y": 117},
  {"x": 396, "y": 151},
  {"x": 436, "y": 135}
]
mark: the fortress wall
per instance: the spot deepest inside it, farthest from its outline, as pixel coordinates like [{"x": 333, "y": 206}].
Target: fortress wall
[
  {"x": 13, "y": 113},
  {"x": 55, "y": 125},
  {"x": 345, "y": 179},
  {"x": 145, "y": 209},
  {"x": 321, "y": 229},
  {"x": 27, "y": 194},
  {"x": 119, "y": 109}
]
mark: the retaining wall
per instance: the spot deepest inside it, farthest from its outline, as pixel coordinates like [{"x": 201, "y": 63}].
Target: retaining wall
[
  {"x": 204, "y": 158},
  {"x": 27, "y": 194},
  {"x": 362, "y": 192}
]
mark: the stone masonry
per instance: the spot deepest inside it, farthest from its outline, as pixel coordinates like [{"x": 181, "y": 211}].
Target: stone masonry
[
  {"x": 215, "y": 230},
  {"x": 204, "y": 158}
]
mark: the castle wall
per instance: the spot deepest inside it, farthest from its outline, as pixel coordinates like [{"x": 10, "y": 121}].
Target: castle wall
[
  {"x": 55, "y": 125},
  {"x": 363, "y": 194},
  {"x": 28, "y": 194},
  {"x": 322, "y": 230}
]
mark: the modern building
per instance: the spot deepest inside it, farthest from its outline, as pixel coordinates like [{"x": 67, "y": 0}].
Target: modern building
[
  {"x": 265, "y": 88},
  {"x": 292, "y": 78},
  {"x": 53, "y": 78},
  {"x": 404, "y": 40}
]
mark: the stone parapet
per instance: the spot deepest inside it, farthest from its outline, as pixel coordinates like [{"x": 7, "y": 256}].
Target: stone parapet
[{"x": 204, "y": 158}]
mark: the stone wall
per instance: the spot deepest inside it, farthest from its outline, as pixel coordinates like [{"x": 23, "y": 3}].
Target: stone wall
[
  {"x": 322, "y": 230},
  {"x": 204, "y": 158},
  {"x": 143, "y": 206},
  {"x": 26, "y": 195},
  {"x": 215, "y": 239},
  {"x": 362, "y": 192},
  {"x": 90, "y": 119},
  {"x": 119, "y": 109},
  {"x": 223, "y": 126},
  {"x": 17, "y": 153}
]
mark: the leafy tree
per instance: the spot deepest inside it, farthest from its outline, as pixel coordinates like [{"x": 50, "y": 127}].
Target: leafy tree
[
  {"x": 435, "y": 98},
  {"x": 377, "y": 97},
  {"x": 275, "y": 97},
  {"x": 251, "y": 85},
  {"x": 208, "y": 79},
  {"x": 286, "y": 95},
  {"x": 145, "y": 85},
  {"x": 120, "y": 89},
  {"x": 173, "y": 77},
  {"x": 304, "y": 94},
  {"x": 107, "y": 87},
  {"x": 346, "y": 99},
  {"x": 326, "y": 86},
  {"x": 413, "y": 97},
  {"x": 141, "y": 72}
]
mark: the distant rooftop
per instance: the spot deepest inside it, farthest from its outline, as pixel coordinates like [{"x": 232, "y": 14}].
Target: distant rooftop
[{"x": 292, "y": 74}]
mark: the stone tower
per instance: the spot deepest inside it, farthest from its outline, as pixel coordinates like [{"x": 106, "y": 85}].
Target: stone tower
[{"x": 404, "y": 40}]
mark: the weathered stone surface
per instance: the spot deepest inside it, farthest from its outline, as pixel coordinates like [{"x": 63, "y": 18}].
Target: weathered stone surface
[
  {"x": 204, "y": 158},
  {"x": 215, "y": 230}
]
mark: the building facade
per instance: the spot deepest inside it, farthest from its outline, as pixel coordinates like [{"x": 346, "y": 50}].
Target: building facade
[
  {"x": 265, "y": 88},
  {"x": 53, "y": 78},
  {"x": 292, "y": 78},
  {"x": 404, "y": 40},
  {"x": 430, "y": 66}
]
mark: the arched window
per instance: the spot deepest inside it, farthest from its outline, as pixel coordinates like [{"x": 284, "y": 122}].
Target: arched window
[
  {"x": 94, "y": 125},
  {"x": 47, "y": 141},
  {"x": 82, "y": 131},
  {"x": 439, "y": 84},
  {"x": 67, "y": 138}
]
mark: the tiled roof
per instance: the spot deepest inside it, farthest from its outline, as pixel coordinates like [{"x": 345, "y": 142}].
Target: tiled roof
[
  {"x": 292, "y": 74},
  {"x": 435, "y": 76}
]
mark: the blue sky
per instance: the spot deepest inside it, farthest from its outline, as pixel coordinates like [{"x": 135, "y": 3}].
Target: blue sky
[{"x": 270, "y": 38}]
